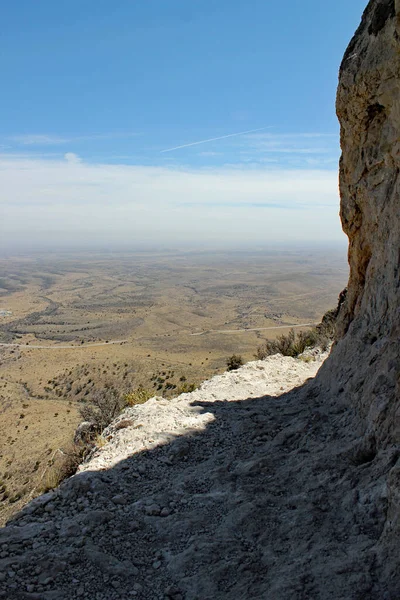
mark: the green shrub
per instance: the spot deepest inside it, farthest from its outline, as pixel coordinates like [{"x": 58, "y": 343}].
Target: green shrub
[
  {"x": 234, "y": 362},
  {"x": 186, "y": 387},
  {"x": 293, "y": 344}
]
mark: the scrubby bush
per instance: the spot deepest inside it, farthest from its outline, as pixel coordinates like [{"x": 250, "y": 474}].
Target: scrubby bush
[
  {"x": 292, "y": 344},
  {"x": 186, "y": 388},
  {"x": 104, "y": 406},
  {"x": 284, "y": 345},
  {"x": 234, "y": 362}
]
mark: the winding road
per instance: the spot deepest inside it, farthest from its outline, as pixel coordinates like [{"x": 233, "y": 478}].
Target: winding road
[
  {"x": 63, "y": 347},
  {"x": 255, "y": 329},
  {"x": 97, "y": 344}
]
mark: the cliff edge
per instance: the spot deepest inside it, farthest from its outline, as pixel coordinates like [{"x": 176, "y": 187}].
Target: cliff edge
[
  {"x": 364, "y": 366},
  {"x": 363, "y": 371}
]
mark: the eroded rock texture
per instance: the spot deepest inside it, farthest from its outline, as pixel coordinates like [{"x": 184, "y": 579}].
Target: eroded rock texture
[
  {"x": 365, "y": 364},
  {"x": 364, "y": 369}
]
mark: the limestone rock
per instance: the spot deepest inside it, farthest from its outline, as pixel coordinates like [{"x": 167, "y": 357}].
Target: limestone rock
[
  {"x": 363, "y": 372},
  {"x": 365, "y": 365}
]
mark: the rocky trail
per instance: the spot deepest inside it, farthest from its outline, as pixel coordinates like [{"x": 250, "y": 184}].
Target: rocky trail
[{"x": 245, "y": 488}]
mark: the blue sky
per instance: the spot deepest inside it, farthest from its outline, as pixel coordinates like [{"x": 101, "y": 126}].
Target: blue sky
[{"x": 96, "y": 95}]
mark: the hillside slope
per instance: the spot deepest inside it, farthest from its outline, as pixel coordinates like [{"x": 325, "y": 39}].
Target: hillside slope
[{"x": 241, "y": 489}]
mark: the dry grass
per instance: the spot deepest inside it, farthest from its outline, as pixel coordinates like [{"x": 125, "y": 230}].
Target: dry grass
[
  {"x": 64, "y": 463},
  {"x": 99, "y": 441},
  {"x": 139, "y": 396}
]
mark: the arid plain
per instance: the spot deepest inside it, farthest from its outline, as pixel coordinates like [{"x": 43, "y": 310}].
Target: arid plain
[{"x": 72, "y": 324}]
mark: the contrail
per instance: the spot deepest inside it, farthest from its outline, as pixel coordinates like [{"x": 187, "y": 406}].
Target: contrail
[{"x": 222, "y": 137}]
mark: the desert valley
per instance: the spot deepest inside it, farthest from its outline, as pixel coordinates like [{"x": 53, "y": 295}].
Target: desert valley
[{"x": 74, "y": 324}]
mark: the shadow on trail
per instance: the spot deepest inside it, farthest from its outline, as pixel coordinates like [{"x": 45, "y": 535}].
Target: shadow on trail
[{"x": 266, "y": 502}]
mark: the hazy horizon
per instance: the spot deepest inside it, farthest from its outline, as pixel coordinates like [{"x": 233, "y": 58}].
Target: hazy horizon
[{"x": 290, "y": 246}]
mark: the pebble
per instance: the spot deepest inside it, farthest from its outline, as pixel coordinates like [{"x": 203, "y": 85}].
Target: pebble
[
  {"x": 119, "y": 499},
  {"x": 153, "y": 510}
]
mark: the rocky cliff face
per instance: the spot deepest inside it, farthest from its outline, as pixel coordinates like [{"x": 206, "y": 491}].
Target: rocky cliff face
[
  {"x": 363, "y": 371},
  {"x": 364, "y": 368}
]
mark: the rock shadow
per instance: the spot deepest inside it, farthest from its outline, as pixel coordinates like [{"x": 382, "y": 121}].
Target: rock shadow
[{"x": 264, "y": 503}]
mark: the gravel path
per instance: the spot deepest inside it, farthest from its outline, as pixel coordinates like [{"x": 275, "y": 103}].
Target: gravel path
[{"x": 242, "y": 490}]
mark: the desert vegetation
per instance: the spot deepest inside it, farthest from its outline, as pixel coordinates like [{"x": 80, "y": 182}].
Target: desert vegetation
[
  {"x": 295, "y": 343},
  {"x": 164, "y": 323},
  {"x": 107, "y": 404},
  {"x": 234, "y": 362},
  {"x": 292, "y": 344}
]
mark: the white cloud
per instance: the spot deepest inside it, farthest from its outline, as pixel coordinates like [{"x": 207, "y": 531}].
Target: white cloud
[
  {"x": 69, "y": 201},
  {"x": 322, "y": 147},
  {"x": 209, "y": 153},
  {"x": 72, "y": 158},
  {"x": 37, "y": 140},
  {"x": 56, "y": 140}
]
